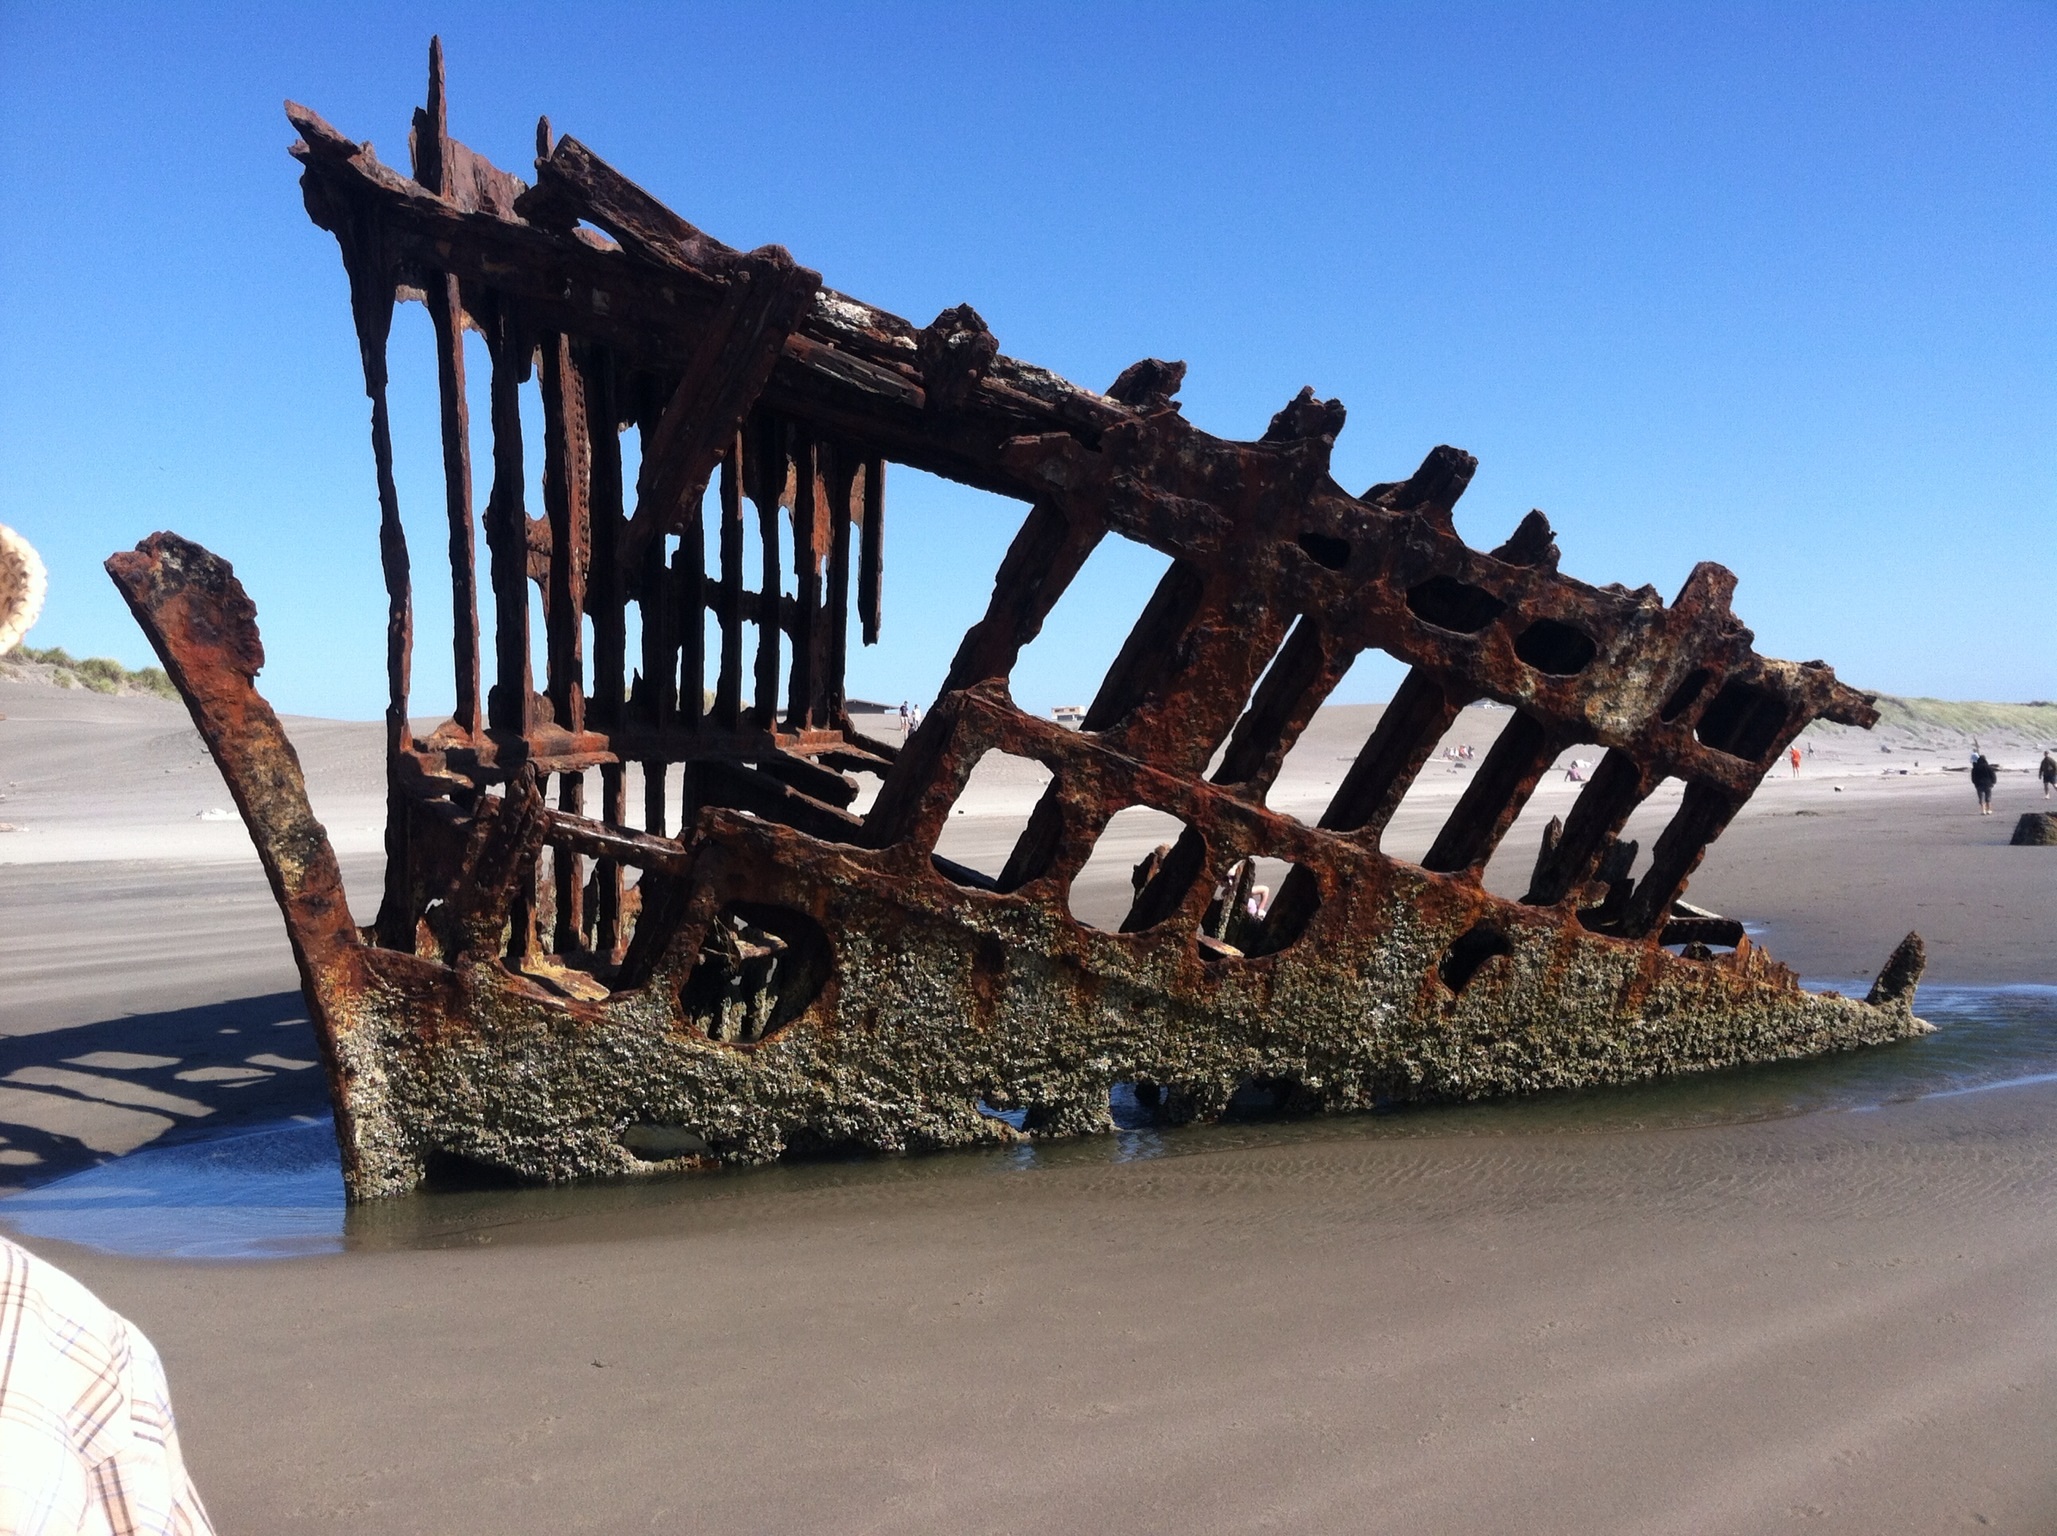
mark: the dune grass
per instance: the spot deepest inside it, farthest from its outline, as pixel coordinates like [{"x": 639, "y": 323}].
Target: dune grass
[
  {"x": 2036, "y": 720},
  {"x": 98, "y": 673}
]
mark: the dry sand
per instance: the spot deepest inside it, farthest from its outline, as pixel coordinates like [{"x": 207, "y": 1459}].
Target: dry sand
[{"x": 1837, "y": 1322}]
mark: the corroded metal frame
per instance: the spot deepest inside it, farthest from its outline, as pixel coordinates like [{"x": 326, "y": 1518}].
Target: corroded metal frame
[{"x": 756, "y": 969}]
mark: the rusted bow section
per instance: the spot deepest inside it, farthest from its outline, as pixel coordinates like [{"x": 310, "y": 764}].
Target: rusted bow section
[{"x": 743, "y": 965}]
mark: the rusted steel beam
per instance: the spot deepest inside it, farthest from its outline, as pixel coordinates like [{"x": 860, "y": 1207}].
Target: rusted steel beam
[
  {"x": 1048, "y": 551},
  {"x": 1703, "y": 814},
  {"x": 820, "y": 782},
  {"x": 567, "y": 474},
  {"x": 750, "y": 609},
  {"x": 509, "y": 705},
  {"x": 728, "y": 602},
  {"x": 1602, "y": 809},
  {"x": 374, "y": 280},
  {"x": 689, "y": 616},
  {"x": 655, "y": 693},
  {"x": 607, "y": 871},
  {"x": 871, "y": 554},
  {"x": 1422, "y": 709},
  {"x": 435, "y": 170},
  {"x": 605, "y": 591},
  {"x": 568, "y": 937},
  {"x": 803, "y": 699},
  {"x": 766, "y": 466},
  {"x": 203, "y": 627},
  {"x": 840, "y": 483},
  {"x": 715, "y": 391},
  {"x": 1149, "y": 654},
  {"x": 1301, "y": 676},
  {"x": 786, "y": 972},
  {"x": 602, "y": 840},
  {"x": 446, "y": 315},
  {"x": 1495, "y": 795}
]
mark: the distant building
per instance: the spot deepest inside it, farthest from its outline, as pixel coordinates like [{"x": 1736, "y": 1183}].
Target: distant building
[{"x": 1070, "y": 716}]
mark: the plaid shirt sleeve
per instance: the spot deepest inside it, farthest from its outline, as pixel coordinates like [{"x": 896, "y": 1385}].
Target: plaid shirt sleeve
[{"x": 87, "y": 1443}]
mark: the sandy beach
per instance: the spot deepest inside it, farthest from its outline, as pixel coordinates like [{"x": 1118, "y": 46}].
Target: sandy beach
[
  {"x": 1834, "y": 1323},
  {"x": 1837, "y": 1321}
]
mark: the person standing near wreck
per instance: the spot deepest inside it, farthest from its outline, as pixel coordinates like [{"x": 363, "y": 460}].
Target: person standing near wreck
[
  {"x": 2048, "y": 774},
  {"x": 1793, "y": 756},
  {"x": 1147, "y": 867},
  {"x": 1983, "y": 777}
]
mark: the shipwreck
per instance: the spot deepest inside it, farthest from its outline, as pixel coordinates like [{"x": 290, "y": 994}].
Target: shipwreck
[{"x": 560, "y": 983}]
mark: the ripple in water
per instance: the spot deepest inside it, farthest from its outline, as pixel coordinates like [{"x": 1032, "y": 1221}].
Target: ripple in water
[
  {"x": 263, "y": 1194},
  {"x": 278, "y": 1192}
]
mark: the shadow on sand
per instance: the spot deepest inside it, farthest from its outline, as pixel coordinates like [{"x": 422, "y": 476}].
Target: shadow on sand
[{"x": 72, "y": 1098}]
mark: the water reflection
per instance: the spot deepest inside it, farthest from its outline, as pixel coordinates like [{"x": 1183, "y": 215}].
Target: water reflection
[
  {"x": 278, "y": 1193},
  {"x": 270, "y": 1193}
]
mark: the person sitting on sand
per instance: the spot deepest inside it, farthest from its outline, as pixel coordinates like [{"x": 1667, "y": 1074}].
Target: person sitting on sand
[
  {"x": 1983, "y": 777},
  {"x": 2048, "y": 774},
  {"x": 87, "y": 1441}
]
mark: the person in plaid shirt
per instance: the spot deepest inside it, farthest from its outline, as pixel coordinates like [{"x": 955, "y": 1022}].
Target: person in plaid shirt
[{"x": 87, "y": 1443}]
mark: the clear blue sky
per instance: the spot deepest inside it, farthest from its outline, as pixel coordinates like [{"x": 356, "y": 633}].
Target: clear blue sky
[{"x": 1774, "y": 285}]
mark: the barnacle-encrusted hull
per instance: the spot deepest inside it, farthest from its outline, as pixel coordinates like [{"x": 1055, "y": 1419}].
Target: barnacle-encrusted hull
[{"x": 755, "y": 968}]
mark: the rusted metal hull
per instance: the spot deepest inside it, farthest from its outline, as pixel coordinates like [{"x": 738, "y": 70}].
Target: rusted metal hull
[
  {"x": 758, "y": 970},
  {"x": 937, "y": 998}
]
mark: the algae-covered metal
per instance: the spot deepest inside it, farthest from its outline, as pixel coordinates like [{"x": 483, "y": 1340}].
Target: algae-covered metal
[{"x": 748, "y": 967}]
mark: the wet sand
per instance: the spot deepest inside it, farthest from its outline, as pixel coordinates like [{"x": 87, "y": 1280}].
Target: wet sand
[
  {"x": 1833, "y": 1323},
  {"x": 1837, "y": 1321}
]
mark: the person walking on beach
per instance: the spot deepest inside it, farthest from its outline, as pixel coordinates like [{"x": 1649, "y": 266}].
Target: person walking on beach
[
  {"x": 1795, "y": 756},
  {"x": 1983, "y": 776},
  {"x": 2048, "y": 774}
]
